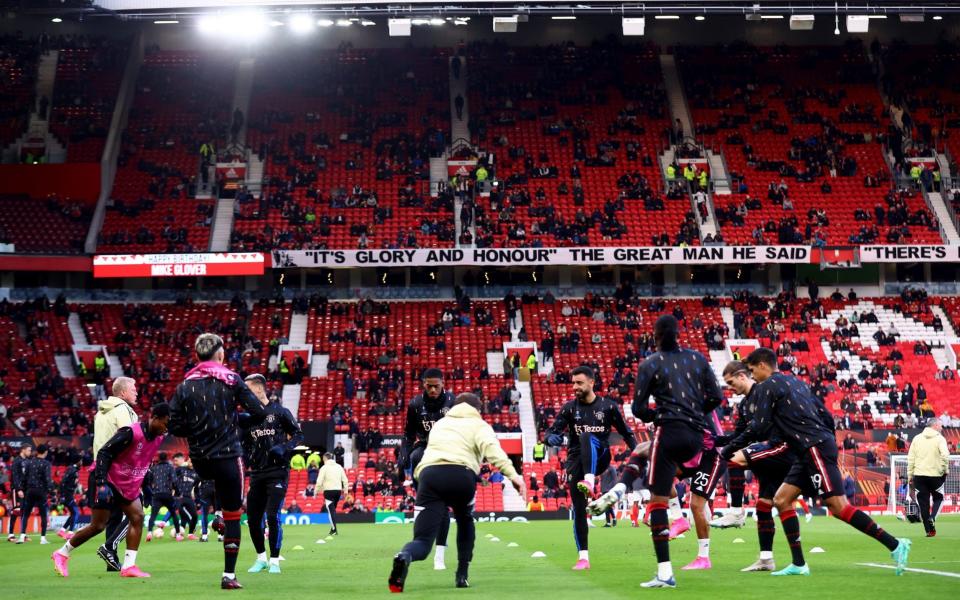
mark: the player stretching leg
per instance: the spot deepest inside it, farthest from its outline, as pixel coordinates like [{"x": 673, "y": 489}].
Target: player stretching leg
[
  {"x": 266, "y": 447},
  {"x": 635, "y": 469},
  {"x": 786, "y": 409},
  {"x": 122, "y": 464},
  {"x": 588, "y": 420}
]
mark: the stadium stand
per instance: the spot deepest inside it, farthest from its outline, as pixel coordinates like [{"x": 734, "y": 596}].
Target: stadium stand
[
  {"x": 182, "y": 101},
  {"x": 89, "y": 71},
  {"x": 576, "y": 132},
  {"x": 811, "y": 138},
  {"x": 18, "y": 70},
  {"x": 347, "y": 137}
]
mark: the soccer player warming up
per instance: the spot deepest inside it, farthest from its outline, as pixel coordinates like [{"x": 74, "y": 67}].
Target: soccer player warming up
[
  {"x": 424, "y": 410},
  {"x": 684, "y": 389},
  {"x": 122, "y": 463},
  {"x": 448, "y": 480},
  {"x": 785, "y": 409},
  {"x": 588, "y": 420},
  {"x": 204, "y": 410},
  {"x": 265, "y": 447}
]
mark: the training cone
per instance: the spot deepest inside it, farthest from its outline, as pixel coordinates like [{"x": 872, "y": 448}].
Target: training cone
[
  {"x": 738, "y": 541},
  {"x": 538, "y": 554},
  {"x": 489, "y": 535},
  {"x": 328, "y": 538},
  {"x": 817, "y": 550},
  {"x": 513, "y": 545},
  {"x": 494, "y": 539},
  {"x": 298, "y": 547},
  {"x": 321, "y": 541}
]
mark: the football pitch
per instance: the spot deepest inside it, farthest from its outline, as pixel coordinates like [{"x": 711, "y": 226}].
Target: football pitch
[{"x": 357, "y": 562}]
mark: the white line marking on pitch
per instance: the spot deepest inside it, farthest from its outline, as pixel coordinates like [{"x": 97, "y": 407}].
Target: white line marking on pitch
[{"x": 927, "y": 571}]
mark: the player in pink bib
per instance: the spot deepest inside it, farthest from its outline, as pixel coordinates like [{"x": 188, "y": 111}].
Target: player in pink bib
[{"x": 122, "y": 464}]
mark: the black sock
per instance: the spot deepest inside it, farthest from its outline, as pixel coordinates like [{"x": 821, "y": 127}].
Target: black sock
[
  {"x": 791, "y": 529},
  {"x": 765, "y": 526},
  {"x": 231, "y": 541},
  {"x": 864, "y": 523},
  {"x": 660, "y": 530},
  {"x": 736, "y": 486}
]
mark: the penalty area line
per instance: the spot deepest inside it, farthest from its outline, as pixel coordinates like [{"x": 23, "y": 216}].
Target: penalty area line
[{"x": 927, "y": 571}]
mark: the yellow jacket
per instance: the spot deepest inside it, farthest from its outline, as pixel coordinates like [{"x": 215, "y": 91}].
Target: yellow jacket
[
  {"x": 112, "y": 414},
  {"x": 464, "y": 438},
  {"x": 332, "y": 478},
  {"x": 928, "y": 456}
]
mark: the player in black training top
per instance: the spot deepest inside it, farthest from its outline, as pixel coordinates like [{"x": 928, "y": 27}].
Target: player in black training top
[
  {"x": 186, "y": 480},
  {"x": 204, "y": 411},
  {"x": 684, "y": 390},
  {"x": 68, "y": 492},
  {"x": 588, "y": 421},
  {"x": 425, "y": 409},
  {"x": 787, "y": 410},
  {"x": 17, "y": 471},
  {"x": 163, "y": 489},
  {"x": 266, "y": 446},
  {"x": 37, "y": 484}
]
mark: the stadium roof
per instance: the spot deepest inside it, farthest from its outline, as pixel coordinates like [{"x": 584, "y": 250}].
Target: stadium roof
[{"x": 651, "y": 7}]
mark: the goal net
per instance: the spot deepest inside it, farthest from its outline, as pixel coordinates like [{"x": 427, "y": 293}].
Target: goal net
[{"x": 899, "y": 489}]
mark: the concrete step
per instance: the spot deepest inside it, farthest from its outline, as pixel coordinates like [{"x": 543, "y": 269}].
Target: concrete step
[
  {"x": 944, "y": 216},
  {"x": 222, "y": 225},
  {"x": 76, "y": 330},
  {"x": 290, "y": 398},
  {"x": 116, "y": 367},
  {"x": 65, "y": 365},
  {"x": 298, "y": 329}
]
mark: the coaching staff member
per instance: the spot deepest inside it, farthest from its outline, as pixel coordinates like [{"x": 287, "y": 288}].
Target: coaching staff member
[
  {"x": 448, "y": 478},
  {"x": 204, "y": 410},
  {"x": 927, "y": 464}
]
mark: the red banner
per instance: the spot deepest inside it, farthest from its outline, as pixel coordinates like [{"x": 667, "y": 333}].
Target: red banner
[{"x": 178, "y": 265}]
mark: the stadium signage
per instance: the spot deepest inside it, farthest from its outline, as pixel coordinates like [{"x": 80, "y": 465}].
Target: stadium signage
[
  {"x": 507, "y": 257},
  {"x": 178, "y": 265},
  {"x": 896, "y": 254}
]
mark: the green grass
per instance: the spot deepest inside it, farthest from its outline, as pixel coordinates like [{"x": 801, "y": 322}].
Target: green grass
[{"x": 356, "y": 565}]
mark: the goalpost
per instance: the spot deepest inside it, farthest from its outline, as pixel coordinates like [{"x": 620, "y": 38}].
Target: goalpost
[{"x": 896, "y": 501}]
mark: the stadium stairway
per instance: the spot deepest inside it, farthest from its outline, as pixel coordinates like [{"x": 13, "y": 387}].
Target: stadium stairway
[
  {"x": 517, "y": 326},
  {"x": 290, "y": 398},
  {"x": 458, "y": 127},
  {"x": 727, "y": 313},
  {"x": 947, "y": 229},
  {"x": 718, "y": 174},
  {"x": 528, "y": 424},
  {"x": 675, "y": 96},
  {"x": 39, "y": 125},
  {"x": 242, "y": 91},
  {"x": 298, "y": 329},
  {"x": 512, "y": 501},
  {"x": 708, "y": 226},
  {"x": 76, "y": 329},
  {"x": 318, "y": 365},
  {"x": 116, "y": 367},
  {"x": 222, "y": 225},
  {"x": 65, "y": 365},
  {"x": 108, "y": 163},
  {"x": 290, "y": 395},
  {"x": 948, "y": 329},
  {"x": 943, "y": 162}
]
